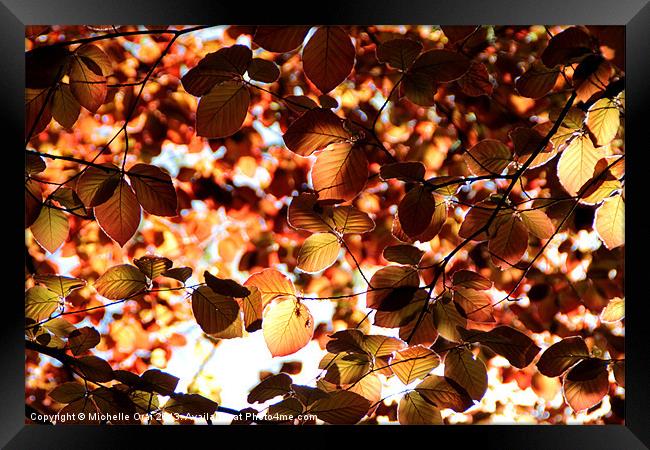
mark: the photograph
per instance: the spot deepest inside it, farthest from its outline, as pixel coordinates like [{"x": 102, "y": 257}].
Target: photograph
[{"x": 325, "y": 224}]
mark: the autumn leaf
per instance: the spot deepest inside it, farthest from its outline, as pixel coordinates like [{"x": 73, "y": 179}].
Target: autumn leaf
[
  {"x": 340, "y": 172},
  {"x": 121, "y": 282},
  {"x": 96, "y": 185},
  {"x": 441, "y": 65},
  {"x": 614, "y": 311},
  {"x": 566, "y": 47},
  {"x": 314, "y": 130},
  {"x": 51, "y": 228},
  {"x": 271, "y": 284},
  {"x": 586, "y": 384},
  {"x": 577, "y": 163},
  {"x": 119, "y": 216},
  {"x": 280, "y": 39},
  {"x": 341, "y": 407},
  {"x": 318, "y": 252},
  {"x": 213, "y": 312},
  {"x": 399, "y": 53},
  {"x": 221, "y": 112},
  {"x": 609, "y": 221},
  {"x": 59, "y": 284},
  {"x": 288, "y": 326},
  {"x": 394, "y": 287},
  {"x": 488, "y": 157},
  {"x": 154, "y": 189},
  {"x": 416, "y": 210},
  {"x": 263, "y": 70},
  {"x": 413, "y": 409},
  {"x": 467, "y": 371},
  {"x": 40, "y": 303},
  {"x": 328, "y": 57},
  {"x": 563, "y": 354},
  {"x": 153, "y": 266},
  {"x": 403, "y": 254},
  {"x": 269, "y": 388},
  {"x": 414, "y": 362},
  {"x": 537, "y": 81}
]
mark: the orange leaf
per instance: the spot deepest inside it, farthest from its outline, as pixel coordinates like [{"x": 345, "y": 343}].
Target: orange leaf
[
  {"x": 340, "y": 172},
  {"x": 154, "y": 189},
  {"x": 328, "y": 57},
  {"x": 221, "y": 112},
  {"x": 314, "y": 130},
  {"x": 119, "y": 217}
]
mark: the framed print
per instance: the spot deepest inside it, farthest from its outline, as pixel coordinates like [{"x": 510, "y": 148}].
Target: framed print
[{"x": 374, "y": 219}]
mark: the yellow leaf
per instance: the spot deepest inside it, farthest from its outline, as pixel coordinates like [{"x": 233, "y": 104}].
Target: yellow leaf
[
  {"x": 288, "y": 326},
  {"x": 577, "y": 163},
  {"x": 603, "y": 120},
  {"x": 614, "y": 311},
  {"x": 609, "y": 222},
  {"x": 318, "y": 252},
  {"x": 414, "y": 362},
  {"x": 120, "y": 282},
  {"x": 413, "y": 409},
  {"x": 50, "y": 228},
  {"x": 40, "y": 303},
  {"x": 61, "y": 285}
]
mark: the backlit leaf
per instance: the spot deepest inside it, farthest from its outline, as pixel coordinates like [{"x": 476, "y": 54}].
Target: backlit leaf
[
  {"x": 577, "y": 163},
  {"x": 226, "y": 287},
  {"x": 154, "y": 189},
  {"x": 446, "y": 318},
  {"x": 476, "y": 305},
  {"x": 40, "y": 303},
  {"x": 603, "y": 120},
  {"x": 59, "y": 284},
  {"x": 65, "y": 108},
  {"x": 614, "y": 311},
  {"x": 566, "y": 47},
  {"x": 213, "y": 312},
  {"x": 414, "y": 362},
  {"x": 314, "y": 130},
  {"x": 50, "y": 228},
  {"x": 471, "y": 280},
  {"x": 347, "y": 369},
  {"x": 288, "y": 326},
  {"x": 86, "y": 85},
  {"x": 280, "y": 39},
  {"x": 394, "y": 287},
  {"x": 178, "y": 273},
  {"x": 122, "y": 281},
  {"x": 263, "y": 70},
  {"x": 609, "y": 221},
  {"x": 95, "y": 186},
  {"x": 399, "y": 53},
  {"x": 586, "y": 384},
  {"x": 221, "y": 112},
  {"x": 251, "y": 305},
  {"x": 328, "y": 57},
  {"x": 68, "y": 392},
  {"x": 537, "y": 81},
  {"x": 405, "y": 171},
  {"x": 269, "y": 388},
  {"x": 341, "y": 407},
  {"x": 476, "y": 81},
  {"x": 416, "y": 210},
  {"x": 38, "y": 113},
  {"x": 468, "y": 372},
  {"x": 441, "y": 65},
  {"x": 415, "y": 410},
  {"x": 94, "y": 368},
  {"x": 419, "y": 88},
  {"x": 190, "y": 404},
  {"x": 272, "y": 284},
  {"x": 563, "y": 354},
  {"x": 152, "y": 266},
  {"x": 488, "y": 157},
  {"x": 509, "y": 241},
  {"x": 403, "y": 254},
  {"x": 444, "y": 393},
  {"x": 83, "y": 339},
  {"x": 318, "y": 252},
  {"x": 340, "y": 172},
  {"x": 538, "y": 223},
  {"x": 33, "y": 201},
  {"x": 119, "y": 217},
  {"x": 515, "y": 346}
]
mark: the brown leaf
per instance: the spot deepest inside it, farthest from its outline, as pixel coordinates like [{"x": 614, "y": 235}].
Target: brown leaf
[
  {"x": 399, "y": 53},
  {"x": 314, "y": 130},
  {"x": 221, "y": 112},
  {"x": 328, "y": 57},
  {"x": 280, "y": 39},
  {"x": 340, "y": 172},
  {"x": 119, "y": 217},
  {"x": 154, "y": 189},
  {"x": 537, "y": 81},
  {"x": 563, "y": 354},
  {"x": 586, "y": 384}
]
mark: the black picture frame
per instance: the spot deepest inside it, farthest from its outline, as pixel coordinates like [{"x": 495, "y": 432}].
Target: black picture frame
[{"x": 633, "y": 14}]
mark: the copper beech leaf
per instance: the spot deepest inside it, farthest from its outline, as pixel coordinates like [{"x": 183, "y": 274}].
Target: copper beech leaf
[
  {"x": 83, "y": 339},
  {"x": 537, "y": 81},
  {"x": 328, "y": 57},
  {"x": 393, "y": 288},
  {"x": 563, "y": 354},
  {"x": 609, "y": 221},
  {"x": 38, "y": 112},
  {"x": 287, "y": 326},
  {"x": 154, "y": 189},
  {"x": 416, "y": 210},
  {"x": 221, "y": 112},
  {"x": 577, "y": 163},
  {"x": 314, "y": 130},
  {"x": 280, "y": 39},
  {"x": 444, "y": 393},
  {"x": 263, "y": 70},
  {"x": 97, "y": 184},
  {"x": 68, "y": 392},
  {"x": 318, "y": 252},
  {"x": 476, "y": 81},
  {"x": 178, "y": 273},
  {"x": 566, "y": 47},
  {"x": 33, "y": 201},
  {"x": 414, "y": 362},
  {"x": 441, "y": 65},
  {"x": 614, "y": 311},
  {"x": 603, "y": 120},
  {"x": 227, "y": 287},
  {"x": 403, "y": 254},
  {"x": 190, "y": 404},
  {"x": 488, "y": 157},
  {"x": 51, "y": 228},
  {"x": 509, "y": 241},
  {"x": 471, "y": 280},
  {"x": 538, "y": 223},
  {"x": 269, "y": 388},
  {"x": 340, "y": 407},
  {"x": 515, "y": 346},
  {"x": 94, "y": 368},
  {"x": 65, "y": 108},
  {"x": 59, "y": 284},
  {"x": 413, "y": 409},
  {"x": 119, "y": 217},
  {"x": 446, "y": 319},
  {"x": 40, "y": 303},
  {"x": 405, "y": 171},
  {"x": 87, "y": 80},
  {"x": 340, "y": 172},
  {"x": 586, "y": 384},
  {"x": 399, "y": 53},
  {"x": 469, "y": 372},
  {"x": 345, "y": 369},
  {"x": 153, "y": 266},
  {"x": 272, "y": 284},
  {"x": 213, "y": 312},
  {"x": 419, "y": 88},
  {"x": 476, "y": 305},
  {"x": 252, "y": 307},
  {"x": 121, "y": 282}
]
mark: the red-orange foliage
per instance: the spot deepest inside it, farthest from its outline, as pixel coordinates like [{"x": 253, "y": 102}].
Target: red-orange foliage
[{"x": 456, "y": 194}]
